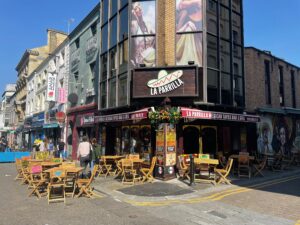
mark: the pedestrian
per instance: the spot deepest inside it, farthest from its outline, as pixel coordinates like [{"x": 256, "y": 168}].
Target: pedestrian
[
  {"x": 96, "y": 153},
  {"x": 83, "y": 154},
  {"x": 3, "y": 144},
  {"x": 60, "y": 147}
]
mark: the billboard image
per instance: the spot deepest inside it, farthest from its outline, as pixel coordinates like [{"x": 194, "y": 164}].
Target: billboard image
[
  {"x": 188, "y": 21},
  {"x": 143, "y": 16}
]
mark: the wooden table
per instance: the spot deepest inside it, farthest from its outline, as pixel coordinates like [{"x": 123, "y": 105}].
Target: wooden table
[
  {"x": 50, "y": 164},
  {"x": 69, "y": 169},
  {"x": 211, "y": 163}
]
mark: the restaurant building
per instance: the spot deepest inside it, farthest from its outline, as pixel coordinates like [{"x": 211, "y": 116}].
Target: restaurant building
[
  {"x": 83, "y": 79},
  {"x": 272, "y": 92},
  {"x": 172, "y": 79}
]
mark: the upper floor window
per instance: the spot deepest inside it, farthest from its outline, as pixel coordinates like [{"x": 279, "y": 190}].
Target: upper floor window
[
  {"x": 94, "y": 28},
  {"x": 267, "y": 82},
  {"x": 281, "y": 85},
  {"x": 293, "y": 88}
]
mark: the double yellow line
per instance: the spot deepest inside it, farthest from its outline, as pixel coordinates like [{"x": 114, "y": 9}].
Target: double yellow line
[{"x": 217, "y": 196}]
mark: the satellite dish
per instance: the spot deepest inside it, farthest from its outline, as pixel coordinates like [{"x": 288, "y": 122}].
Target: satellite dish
[{"x": 73, "y": 98}]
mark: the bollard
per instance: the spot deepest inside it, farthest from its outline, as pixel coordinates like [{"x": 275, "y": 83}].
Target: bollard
[{"x": 192, "y": 170}]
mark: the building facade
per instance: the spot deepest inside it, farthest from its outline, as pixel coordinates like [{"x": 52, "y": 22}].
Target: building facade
[
  {"x": 83, "y": 79},
  {"x": 184, "y": 61},
  {"x": 46, "y": 96},
  {"x": 272, "y": 91},
  {"x": 30, "y": 60}
]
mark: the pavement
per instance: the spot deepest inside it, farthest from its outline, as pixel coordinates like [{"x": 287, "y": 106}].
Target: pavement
[
  {"x": 175, "y": 190},
  {"x": 269, "y": 200}
]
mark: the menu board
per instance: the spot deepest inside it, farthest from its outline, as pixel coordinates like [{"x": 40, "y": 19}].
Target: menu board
[
  {"x": 160, "y": 138},
  {"x": 171, "y": 138},
  {"x": 170, "y": 159}
]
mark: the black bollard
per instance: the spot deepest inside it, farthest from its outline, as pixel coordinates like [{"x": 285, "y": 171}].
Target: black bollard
[{"x": 192, "y": 170}]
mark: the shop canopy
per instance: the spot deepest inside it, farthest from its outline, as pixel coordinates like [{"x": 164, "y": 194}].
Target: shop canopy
[
  {"x": 134, "y": 115},
  {"x": 209, "y": 115}
]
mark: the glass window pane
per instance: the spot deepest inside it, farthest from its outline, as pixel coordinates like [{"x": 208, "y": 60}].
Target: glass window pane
[
  {"x": 189, "y": 48},
  {"x": 113, "y": 31},
  {"x": 103, "y": 95},
  {"x": 104, "y": 11},
  {"x": 143, "y": 18},
  {"x": 236, "y": 26},
  {"x": 211, "y": 16},
  {"x": 104, "y": 41},
  {"x": 123, "y": 2},
  {"x": 225, "y": 56},
  {"x": 237, "y": 67},
  {"x": 114, "y": 7},
  {"x": 212, "y": 51},
  {"x": 226, "y": 89},
  {"x": 113, "y": 62},
  {"x": 123, "y": 56},
  {"x": 112, "y": 93},
  {"x": 104, "y": 67},
  {"x": 238, "y": 91},
  {"x": 236, "y": 5},
  {"x": 123, "y": 90},
  {"x": 143, "y": 51},
  {"x": 237, "y": 52},
  {"x": 212, "y": 86},
  {"x": 188, "y": 15},
  {"x": 224, "y": 23},
  {"x": 225, "y": 2},
  {"x": 123, "y": 23}
]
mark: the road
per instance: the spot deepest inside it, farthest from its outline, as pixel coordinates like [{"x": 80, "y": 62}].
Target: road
[{"x": 270, "y": 202}]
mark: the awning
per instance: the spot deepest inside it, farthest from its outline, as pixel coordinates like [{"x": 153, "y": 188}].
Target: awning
[
  {"x": 209, "y": 115},
  {"x": 271, "y": 110},
  {"x": 50, "y": 125},
  {"x": 135, "y": 115}
]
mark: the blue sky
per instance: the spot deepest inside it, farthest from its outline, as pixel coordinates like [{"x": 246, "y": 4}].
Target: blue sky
[{"x": 268, "y": 24}]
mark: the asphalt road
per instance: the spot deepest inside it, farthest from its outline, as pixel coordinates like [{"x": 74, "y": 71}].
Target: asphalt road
[{"x": 270, "y": 202}]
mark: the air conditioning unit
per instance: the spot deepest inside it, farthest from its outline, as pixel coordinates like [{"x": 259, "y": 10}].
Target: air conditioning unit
[{"x": 90, "y": 92}]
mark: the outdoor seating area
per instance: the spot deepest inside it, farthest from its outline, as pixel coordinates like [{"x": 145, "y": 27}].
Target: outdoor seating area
[
  {"x": 54, "y": 178},
  {"x": 218, "y": 170}
]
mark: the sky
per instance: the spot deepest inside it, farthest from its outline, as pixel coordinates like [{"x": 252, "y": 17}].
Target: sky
[{"x": 271, "y": 25}]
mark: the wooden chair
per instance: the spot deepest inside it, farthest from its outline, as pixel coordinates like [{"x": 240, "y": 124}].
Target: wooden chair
[
  {"x": 147, "y": 172},
  {"x": 56, "y": 186},
  {"x": 244, "y": 169},
  {"x": 258, "y": 167},
  {"x": 25, "y": 172},
  {"x": 222, "y": 159},
  {"x": 57, "y": 160},
  {"x": 84, "y": 185},
  {"x": 183, "y": 169},
  {"x": 37, "y": 180},
  {"x": 130, "y": 175},
  {"x": 18, "y": 164},
  {"x": 223, "y": 173}
]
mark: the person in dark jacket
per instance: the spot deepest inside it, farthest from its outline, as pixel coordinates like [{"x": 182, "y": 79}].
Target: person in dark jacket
[{"x": 97, "y": 152}]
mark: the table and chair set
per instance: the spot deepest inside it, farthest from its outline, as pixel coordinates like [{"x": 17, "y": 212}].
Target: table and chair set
[
  {"x": 130, "y": 168},
  {"x": 54, "y": 178}
]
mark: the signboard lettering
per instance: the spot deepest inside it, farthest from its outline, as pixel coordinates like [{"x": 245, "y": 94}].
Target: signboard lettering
[{"x": 51, "y": 86}]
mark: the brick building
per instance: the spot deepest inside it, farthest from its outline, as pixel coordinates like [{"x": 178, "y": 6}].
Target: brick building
[
  {"x": 272, "y": 91},
  {"x": 162, "y": 58}
]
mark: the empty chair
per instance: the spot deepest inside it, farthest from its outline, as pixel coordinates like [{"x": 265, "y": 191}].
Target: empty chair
[
  {"x": 244, "y": 169},
  {"x": 56, "y": 186},
  {"x": 130, "y": 175},
  {"x": 183, "y": 169},
  {"x": 223, "y": 173},
  {"x": 258, "y": 167},
  {"x": 147, "y": 172}
]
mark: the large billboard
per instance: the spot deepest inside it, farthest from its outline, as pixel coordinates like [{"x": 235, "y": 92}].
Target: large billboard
[
  {"x": 189, "y": 22},
  {"x": 143, "y": 18}
]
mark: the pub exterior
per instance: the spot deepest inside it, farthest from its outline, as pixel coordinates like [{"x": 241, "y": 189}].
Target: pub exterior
[{"x": 172, "y": 80}]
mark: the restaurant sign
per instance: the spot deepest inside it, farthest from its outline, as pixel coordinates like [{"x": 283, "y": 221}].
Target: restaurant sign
[
  {"x": 136, "y": 115},
  {"x": 208, "y": 115},
  {"x": 163, "y": 82}
]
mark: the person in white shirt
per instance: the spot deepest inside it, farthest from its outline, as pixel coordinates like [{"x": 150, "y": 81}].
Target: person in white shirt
[{"x": 83, "y": 154}]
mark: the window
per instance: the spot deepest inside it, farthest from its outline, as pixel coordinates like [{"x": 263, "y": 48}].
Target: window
[
  {"x": 224, "y": 23},
  {"x": 123, "y": 24},
  {"x": 293, "y": 87},
  {"x": 123, "y": 56},
  {"x": 93, "y": 71},
  {"x": 76, "y": 77},
  {"x": 94, "y": 28},
  {"x": 104, "y": 67},
  {"x": 113, "y": 32},
  {"x": 113, "y": 62},
  {"x": 122, "y": 90},
  {"x": 123, "y": 2},
  {"x": 212, "y": 86},
  {"x": 105, "y": 11},
  {"x": 212, "y": 52},
  {"x": 226, "y": 88},
  {"x": 267, "y": 83},
  {"x": 77, "y": 43},
  {"x": 103, "y": 94},
  {"x": 114, "y": 7},
  {"x": 104, "y": 40},
  {"x": 112, "y": 93},
  {"x": 281, "y": 85}
]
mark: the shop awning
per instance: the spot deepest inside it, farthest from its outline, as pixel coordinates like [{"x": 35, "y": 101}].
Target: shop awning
[
  {"x": 271, "y": 110},
  {"x": 209, "y": 115},
  {"x": 135, "y": 115}
]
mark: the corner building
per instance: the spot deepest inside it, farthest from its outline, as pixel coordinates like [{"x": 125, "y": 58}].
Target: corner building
[{"x": 176, "y": 67}]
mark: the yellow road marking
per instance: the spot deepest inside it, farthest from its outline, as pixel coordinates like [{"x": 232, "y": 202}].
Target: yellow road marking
[{"x": 217, "y": 196}]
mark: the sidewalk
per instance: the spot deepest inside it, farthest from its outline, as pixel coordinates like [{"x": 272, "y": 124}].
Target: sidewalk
[{"x": 177, "y": 190}]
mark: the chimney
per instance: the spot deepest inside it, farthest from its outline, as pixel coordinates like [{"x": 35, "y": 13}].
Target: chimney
[{"x": 55, "y": 38}]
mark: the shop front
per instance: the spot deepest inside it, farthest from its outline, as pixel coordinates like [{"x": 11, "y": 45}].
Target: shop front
[
  {"x": 54, "y": 125},
  {"x": 80, "y": 122}
]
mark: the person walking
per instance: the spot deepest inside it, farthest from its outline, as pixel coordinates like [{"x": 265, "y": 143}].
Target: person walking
[
  {"x": 96, "y": 153},
  {"x": 83, "y": 154},
  {"x": 60, "y": 148}
]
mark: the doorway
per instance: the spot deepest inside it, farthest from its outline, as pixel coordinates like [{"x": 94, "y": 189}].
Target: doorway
[
  {"x": 191, "y": 135},
  {"x": 209, "y": 140}
]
